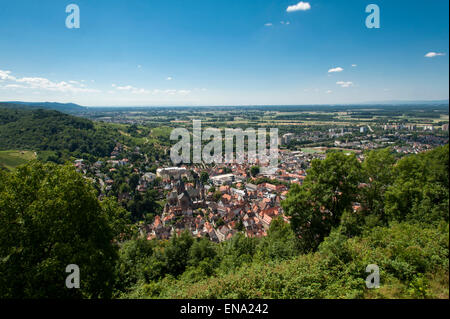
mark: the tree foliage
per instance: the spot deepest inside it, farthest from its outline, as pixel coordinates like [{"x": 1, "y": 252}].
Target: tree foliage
[
  {"x": 328, "y": 190},
  {"x": 50, "y": 218}
]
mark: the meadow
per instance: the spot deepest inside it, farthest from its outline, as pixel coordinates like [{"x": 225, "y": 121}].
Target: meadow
[{"x": 13, "y": 158}]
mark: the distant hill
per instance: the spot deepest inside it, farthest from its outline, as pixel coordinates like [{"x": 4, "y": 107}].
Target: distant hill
[
  {"x": 62, "y": 107},
  {"x": 406, "y": 102},
  {"x": 59, "y": 134}
]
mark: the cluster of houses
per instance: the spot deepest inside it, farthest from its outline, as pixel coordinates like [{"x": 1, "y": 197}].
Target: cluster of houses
[
  {"x": 246, "y": 207},
  {"x": 228, "y": 201},
  {"x": 242, "y": 206}
]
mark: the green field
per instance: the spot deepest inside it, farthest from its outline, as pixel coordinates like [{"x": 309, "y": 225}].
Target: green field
[
  {"x": 312, "y": 150},
  {"x": 12, "y": 159}
]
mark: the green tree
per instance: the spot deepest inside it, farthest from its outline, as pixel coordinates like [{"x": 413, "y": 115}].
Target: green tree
[
  {"x": 177, "y": 253},
  {"x": 420, "y": 190},
  {"x": 217, "y": 196},
  {"x": 254, "y": 170},
  {"x": 50, "y": 218},
  {"x": 134, "y": 181},
  {"x": 280, "y": 242},
  {"x": 204, "y": 177},
  {"x": 328, "y": 190},
  {"x": 378, "y": 169},
  {"x": 134, "y": 255}
]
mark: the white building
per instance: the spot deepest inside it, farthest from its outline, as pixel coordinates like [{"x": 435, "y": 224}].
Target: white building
[
  {"x": 223, "y": 179},
  {"x": 287, "y": 138},
  {"x": 175, "y": 172}
]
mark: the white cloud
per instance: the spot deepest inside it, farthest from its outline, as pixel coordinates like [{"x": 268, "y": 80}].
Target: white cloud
[
  {"x": 329, "y": 92},
  {"x": 268, "y": 24},
  {"x": 354, "y": 65},
  {"x": 169, "y": 78},
  {"x": 140, "y": 91},
  {"x": 124, "y": 88},
  {"x": 44, "y": 84},
  {"x": 433, "y": 54},
  {"x": 301, "y": 6},
  {"x": 131, "y": 89},
  {"x": 338, "y": 69},
  {"x": 344, "y": 84},
  {"x": 14, "y": 86},
  {"x": 5, "y": 75},
  {"x": 134, "y": 90}
]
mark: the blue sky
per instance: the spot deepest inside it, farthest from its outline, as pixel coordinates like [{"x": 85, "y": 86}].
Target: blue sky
[{"x": 228, "y": 52}]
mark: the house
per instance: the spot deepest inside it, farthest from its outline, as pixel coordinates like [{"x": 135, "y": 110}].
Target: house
[
  {"x": 223, "y": 179},
  {"x": 149, "y": 177},
  {"x": 222, "y": 232}
]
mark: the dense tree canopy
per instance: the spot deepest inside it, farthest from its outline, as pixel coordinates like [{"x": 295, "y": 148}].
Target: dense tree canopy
[
  {"x": 50, "y": 218},
  {"x": 328, "y": 190},
  {"x": 49, "y": 130},
  {"x": 420, "y": 190}
]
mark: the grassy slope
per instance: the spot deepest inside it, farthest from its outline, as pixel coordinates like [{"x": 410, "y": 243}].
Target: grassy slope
[{"x": 12, "y": 159}]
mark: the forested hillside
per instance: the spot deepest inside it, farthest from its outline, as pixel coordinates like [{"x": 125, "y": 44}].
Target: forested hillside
[
  {"x": 48, "y": 130},
  {"x": 61, "y": 107}
]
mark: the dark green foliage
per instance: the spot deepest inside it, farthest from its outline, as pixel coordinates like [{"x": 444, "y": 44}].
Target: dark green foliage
[
  {"x": 280, "y": 242},
  {"x": 328, "y": 190},
  {"x": 47, "y": 130},
  {"x": 50, "y": 218},
  {"x": 254, "y": 170},
  {"x": 378, "y": 170},
  {"x": 204, "y": 177},
  {"x": 177, "y": 253},
  {"x": 409, "y": 257},
  {"x": 420, "y": 190},
  {"x": 134, "y": 257},
  {"x": 144, "y": 206}
]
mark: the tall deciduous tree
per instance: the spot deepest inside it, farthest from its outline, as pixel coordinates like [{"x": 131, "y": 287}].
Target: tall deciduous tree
[
  {"x": 50, "y": 218},
  {"x": 420, "y": 190},
  {"x": 378, "y": 169},
  {"x": 328, "y": 190}
]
